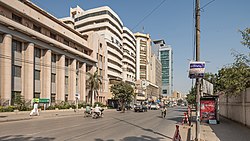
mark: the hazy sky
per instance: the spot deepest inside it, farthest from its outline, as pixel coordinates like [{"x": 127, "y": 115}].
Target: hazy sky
[{"x": 173, "y": 21}]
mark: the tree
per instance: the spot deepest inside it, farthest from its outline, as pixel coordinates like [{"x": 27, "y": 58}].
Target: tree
[
  {"x": 191, "y": 97},
  {"x": 93, "y": 83},
  {"x": 124, "y": 92},
  {"x": 246, "y": 37},
  {"x": 234, "y": 79}
]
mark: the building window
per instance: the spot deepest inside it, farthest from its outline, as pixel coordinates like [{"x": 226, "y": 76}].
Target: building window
[
  {"x": 16, "y": 18},
  {"x": 66, "y": 62},
  {"x": 100, "y": 57},
  {"x": 66, "y": 80},
  {"x": 36, "y": 95},
  {"x": 38, "y": 52},
  {"x": 66, "y": 97},
  {"x": 53, "y": 98},
  {"x": 53, "y": 78},
  {"x": 164, "y": 91},
  {"x": 37, "y": 74},
  {"x": 76, "y": 81},
  {"x": 112, "y": 39},
  {"x": 66, "y": 42},
  {"x": 53, "y": 58},
  {"x": 17, "y": 71},
  {"x": 53, "y": 36},
  {"x": 14, "y": 96},
  {"x": 37, "y": 28},
  {"x": 17, "y": 46}
]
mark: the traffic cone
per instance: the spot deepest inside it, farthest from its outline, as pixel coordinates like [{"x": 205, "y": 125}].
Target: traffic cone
[{"x": 177, "y": 136}]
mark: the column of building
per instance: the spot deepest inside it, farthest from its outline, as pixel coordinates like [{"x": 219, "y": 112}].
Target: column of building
[
  {"x": 46, "y": 74},
  {"x": 28, "y": 71},
  {"x": 82, "y": 81},
  {"x": 60, "y": 79},
  {"x": 72, "y": 80},
  {"x": 5, "y": 70}
]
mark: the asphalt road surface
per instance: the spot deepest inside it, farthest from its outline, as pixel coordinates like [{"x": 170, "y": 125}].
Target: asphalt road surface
[{"x": 114, "y": 126}]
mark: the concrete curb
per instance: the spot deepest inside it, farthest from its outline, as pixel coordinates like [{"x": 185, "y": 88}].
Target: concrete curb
[{"x": 24, "y": 115}]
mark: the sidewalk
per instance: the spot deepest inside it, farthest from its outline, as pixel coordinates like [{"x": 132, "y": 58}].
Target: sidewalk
[
  {"x": 24, "y": 115},
  {"x": 227, "y": 130}
]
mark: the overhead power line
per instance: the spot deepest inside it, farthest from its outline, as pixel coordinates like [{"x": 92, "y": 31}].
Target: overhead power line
[
  {"x": 207, "y": 4},
  {"x": 148, "y": 14}
]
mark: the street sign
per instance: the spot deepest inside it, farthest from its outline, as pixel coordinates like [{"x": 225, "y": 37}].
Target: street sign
[
  {"x": 197, "y": 69},
  {"x": 36, "y": 100},
  {"x": 41, "y": 100}
]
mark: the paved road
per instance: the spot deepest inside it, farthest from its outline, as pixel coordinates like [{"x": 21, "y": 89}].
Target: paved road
[{"x": 115, "y": 126}]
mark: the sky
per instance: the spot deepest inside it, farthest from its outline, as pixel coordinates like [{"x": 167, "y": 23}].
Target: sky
[{"x": 173, "y": 21}]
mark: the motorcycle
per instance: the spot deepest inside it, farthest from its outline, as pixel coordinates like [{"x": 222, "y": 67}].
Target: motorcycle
[
  {"x": 96, "y": 115},
  {"x": 88, "y": 114}
]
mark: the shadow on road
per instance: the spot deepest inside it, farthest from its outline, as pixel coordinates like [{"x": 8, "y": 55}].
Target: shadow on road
[
  {"x": 181, "y": 110},
  {"x": 24, "y": 138},
  {"x": 177, "y": 119},
  {"x": 133, "y": 138},
  {"x": 149, "y": 130}
]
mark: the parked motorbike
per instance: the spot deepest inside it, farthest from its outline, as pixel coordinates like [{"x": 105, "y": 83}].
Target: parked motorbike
[{"x": 96, "y": 115}]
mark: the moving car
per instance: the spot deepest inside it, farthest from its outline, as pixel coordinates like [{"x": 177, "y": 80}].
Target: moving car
[{"x": 154, "y": 107}]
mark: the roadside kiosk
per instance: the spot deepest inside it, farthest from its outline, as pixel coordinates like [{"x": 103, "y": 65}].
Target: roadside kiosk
[{"x": 209, "y": 109}]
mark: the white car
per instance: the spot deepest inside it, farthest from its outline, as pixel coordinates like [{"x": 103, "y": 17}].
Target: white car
[{"x": 154, "y": 107}]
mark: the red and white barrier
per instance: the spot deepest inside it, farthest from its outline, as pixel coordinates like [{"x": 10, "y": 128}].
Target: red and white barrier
[{"x": 177, "y": 136}]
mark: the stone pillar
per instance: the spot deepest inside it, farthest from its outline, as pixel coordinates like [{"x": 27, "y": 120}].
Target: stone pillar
[
  {"x": 72, "y": 80},
  {"x": 82, "y": 81},
  {"x": 60, "y": 79},
  {"x": 5, "y": 69},
  {"x": 28, "y": 72},
  {"x": 46, "y": 74}
]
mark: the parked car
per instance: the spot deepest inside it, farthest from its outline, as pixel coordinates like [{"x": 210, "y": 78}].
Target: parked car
[{"x": 140, "y": 108}]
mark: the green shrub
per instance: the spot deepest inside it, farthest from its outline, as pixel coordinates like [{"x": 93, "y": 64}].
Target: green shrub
[
  {"x": 83, "y": 104},
  {"x": 51, "y": 108},
  {"x": 7, "y": 109},
  {"x": 99, "y": 104}
]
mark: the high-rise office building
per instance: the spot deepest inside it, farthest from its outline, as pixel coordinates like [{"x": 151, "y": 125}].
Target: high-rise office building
[
  {"x": 166, "y": 56},
  {"x": 147, "y": 68}
]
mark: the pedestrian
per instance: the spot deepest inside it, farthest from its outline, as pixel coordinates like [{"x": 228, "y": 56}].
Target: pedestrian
[
  {"x": 165, "y": 111},
  {"x": 34, "y": 111}
]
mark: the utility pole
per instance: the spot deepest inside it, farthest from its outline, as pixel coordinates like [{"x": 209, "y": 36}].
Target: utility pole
[{"x": 198, "y": 80}]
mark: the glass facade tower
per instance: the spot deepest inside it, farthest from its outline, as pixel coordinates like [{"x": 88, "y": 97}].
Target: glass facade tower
[{"x": 166, "y": 57}]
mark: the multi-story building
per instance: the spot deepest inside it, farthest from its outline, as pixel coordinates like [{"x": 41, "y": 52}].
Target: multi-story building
[
  {"x": 143, "y": 56},
  {"x": 129, "y": 56},
  {"x": 166, "y": 57},
  {"x": 41, "y": 57},
  {"x": 156, "y": 75},
  {"x": 146, "y": 65},
  {"x": 120, "y": 41}
]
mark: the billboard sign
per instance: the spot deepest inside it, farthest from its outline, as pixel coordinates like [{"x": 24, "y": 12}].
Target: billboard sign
[
  {"x": 196, "y": 70},
  {"x": 208, "y": 110}
]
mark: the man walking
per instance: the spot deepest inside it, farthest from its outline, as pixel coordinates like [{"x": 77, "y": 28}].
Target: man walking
[{"x": 34, "y": 111}]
